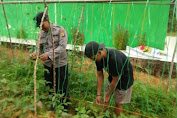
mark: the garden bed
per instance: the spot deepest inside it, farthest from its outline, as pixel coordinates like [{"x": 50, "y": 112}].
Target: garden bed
[{"x": 149, "y": 97}]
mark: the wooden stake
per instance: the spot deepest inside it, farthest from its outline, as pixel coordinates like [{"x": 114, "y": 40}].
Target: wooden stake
[
  {"x": 35, "y": 66},
  {"x": 51, "y": 34},
  {"x": 77, "y": 31},
  {"x": 11, "y": 46}
]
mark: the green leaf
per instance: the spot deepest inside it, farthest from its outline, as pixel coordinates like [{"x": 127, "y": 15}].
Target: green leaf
[
  {"x": 84, "y": 116},
  {"x": 4, "y": 81},
  {"x": 4, "y": 105},
  {"x": 64, "y": 114}
]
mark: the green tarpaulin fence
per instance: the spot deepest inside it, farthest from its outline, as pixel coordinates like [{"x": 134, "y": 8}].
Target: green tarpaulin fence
[{"x": 99, "y": 20}]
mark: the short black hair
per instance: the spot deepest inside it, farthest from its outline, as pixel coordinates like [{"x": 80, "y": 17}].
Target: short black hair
[
  {"x": 38, "y": 18},
  {"x": 92, "y": 48}
]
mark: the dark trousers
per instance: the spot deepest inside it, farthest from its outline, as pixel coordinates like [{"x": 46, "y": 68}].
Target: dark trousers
[{"x": 61, "y": 79}]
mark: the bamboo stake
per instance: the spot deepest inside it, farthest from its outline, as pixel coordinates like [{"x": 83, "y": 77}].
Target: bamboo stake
[
  {"x": 77, "y": 31},
  {"x": 171, "y": 66},
  {"x": 172, "y": 62},
  {"x": 88, "y": 1},
  {"x": 51, "y": 33},
  {"x": 54, "y": 74},
  {"x": 174, "y": 100},
  {"x": 11, "y": 46},
  {"x": 35, "y": 67}
]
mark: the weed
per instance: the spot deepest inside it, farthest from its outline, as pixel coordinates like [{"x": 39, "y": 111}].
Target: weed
[
  {"x": 77, "y": 38},
  {"x": 21, "y": 34},
  {"x": 121, "y": 38},
  {"x": 142, "y": 40}
]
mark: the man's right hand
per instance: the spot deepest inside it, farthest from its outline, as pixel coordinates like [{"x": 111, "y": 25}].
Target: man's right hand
[
  {"x": 98, "y": 100},
  {"x": 33, "y": 56}
]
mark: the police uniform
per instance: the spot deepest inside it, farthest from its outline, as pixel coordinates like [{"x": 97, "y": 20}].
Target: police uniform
[{"x": 60, "y": 42}]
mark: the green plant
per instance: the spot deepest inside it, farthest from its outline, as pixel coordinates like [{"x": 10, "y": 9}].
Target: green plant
[
  {"x": 17, "y": 87},
  {"x": 58, "y": 103},
  {"x": 172, "y": 24},
  {"x": 77, "y": 37},
  {"x": 142, "y": 40},
  {"x": 17, "y": 92},
  {"x": 151, "y": 101},
  {"x": 21, "y": 33},
  {"x": 82, "y": 112},
  {"x": 121, "y": 38}
]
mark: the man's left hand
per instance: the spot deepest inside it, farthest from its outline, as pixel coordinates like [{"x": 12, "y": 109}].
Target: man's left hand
[{"x": 44, "y": 57}]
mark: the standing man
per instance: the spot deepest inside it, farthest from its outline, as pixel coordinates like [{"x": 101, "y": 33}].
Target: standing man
[
  {"x": 46, "y": 53},
  {"x": 120, "y": 79}
]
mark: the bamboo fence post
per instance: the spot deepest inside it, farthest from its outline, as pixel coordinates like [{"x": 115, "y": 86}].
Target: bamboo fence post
[
  {"x": 172, "y": 62},
  {"x": 171, "y": 66},
  {"x": 35, "y": 66},
  {"x": 77, "y": 31},
  {"x": 54, "y": 74},
  {"x": 51, "y": 34},
  {"x": 11, "y": 46}
]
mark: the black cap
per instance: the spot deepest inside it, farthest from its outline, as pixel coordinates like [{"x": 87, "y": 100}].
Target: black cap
[
  {"x": 38, "y": 18},
  {"x": 92, "y": 48}
]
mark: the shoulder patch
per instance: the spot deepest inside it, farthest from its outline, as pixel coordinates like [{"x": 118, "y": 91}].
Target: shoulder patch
[{"x": 62, "y": 32}]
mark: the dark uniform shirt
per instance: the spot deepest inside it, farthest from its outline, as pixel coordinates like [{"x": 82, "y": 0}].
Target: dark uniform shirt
[{"x": 117, "y": 64}]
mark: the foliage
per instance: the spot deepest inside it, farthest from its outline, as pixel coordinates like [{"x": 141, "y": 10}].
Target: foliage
[
  {"x": 82, "y": 83},
  {"x": 142, "y": 40},
  {"x": 172, "y": 24},
  {"x": 15, "y": 95},
  {"x": 151, "y": 101},
  {"x": 82, "y": 112},
  {"x": 77, "y": 39},
  {"x": 21, "y": 33},
  {"x": 17, "y": 86},
  {"x": 59, "y": 104},
  {"x": 121, "y": 38}
]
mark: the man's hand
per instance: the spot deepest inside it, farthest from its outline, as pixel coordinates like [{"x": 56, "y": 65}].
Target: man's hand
[
  {"x": 33, "y": 56},
  {"x": 44, "y": 57},
  {"x": 98, "y": 100}
]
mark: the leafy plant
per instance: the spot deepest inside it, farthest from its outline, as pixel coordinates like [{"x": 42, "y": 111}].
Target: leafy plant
[
  {"x": 142, "y": 40},
  {"x": 21, "y": 33},
  {"x": 151, "y": 101},
  {"x": 77, "y": 37},
  {"x": 58, "y": 103},
  {"x": 172, "y": 24},
  {"x": 82, "y": 112},
  {"x": 17, "y": 86},
  {"x": 121, "y": 38}
]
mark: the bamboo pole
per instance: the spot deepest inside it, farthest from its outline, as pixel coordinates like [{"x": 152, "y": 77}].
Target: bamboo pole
[
  {"x": 54, "y": 73},
  {"x": 51, "y": 34},
  {"x": 171, "y": 66},
  {"x": 172, "y": 62},
  {"x": 35, "y": 66},
  {"x": 11, "y": 46},
  {"x": 77, "y": 31},
  {"x": 89, "y": 1},
  {"x": 174, "y": 100}
]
